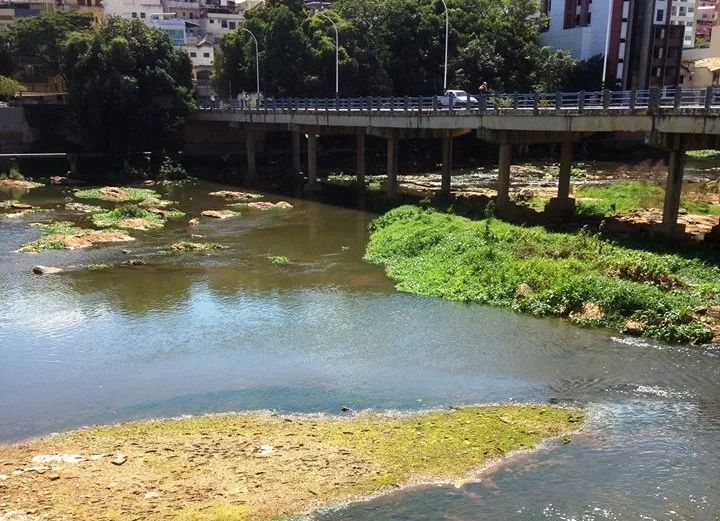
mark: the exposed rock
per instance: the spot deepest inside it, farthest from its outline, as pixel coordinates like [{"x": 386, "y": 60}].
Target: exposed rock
[
  {"x": 524, "y": 194},
  {"x": 218, "y": 214},
  {"x": 80, "y": 207},
  {"x": 265, "y": 205},
  {"x": 700, "y": 310},
  {"x": 119, "y": 459},
  {"x": 58, "y": 180},
  {"x": 633, "y": 328},
  {"x": 152, "y": 203},
  {"x": 54, "y": 476},
  {"x": 113, "y": 192},
  {"x": 21, "y": 206},
  {"x": 193, "y": 222},
  {"x": 127, "y": 252},
  {"x": 713, "y": 310},
  {"x": 195, "y": 246},
  {"x": 523, "y": 291},
  {"x": 589, "y": 311},
  {"x": 18, "y": 183},
  {"x": 236, "y": 196},
  {"x": 687, "y": 319},
  {"x": 134, "y": 262},
  {"x": 344, "y": 408},
  {"x": 45, "y": 270},
  {"x": 58, "y": 458}
]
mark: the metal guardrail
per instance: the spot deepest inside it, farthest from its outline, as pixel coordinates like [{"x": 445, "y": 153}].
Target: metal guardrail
[{"x": 635, "y": 101}]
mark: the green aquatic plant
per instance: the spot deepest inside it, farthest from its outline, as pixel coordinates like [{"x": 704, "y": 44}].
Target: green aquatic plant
[
  {"x": 98, "y": 267},
  {"x": 128, "y": 216},
  {"x": 13, "y": 175},
  {"x": 580, "y": 276},
  {"x": 111, "y": 193},
  {"x": 278, "y": 259}
]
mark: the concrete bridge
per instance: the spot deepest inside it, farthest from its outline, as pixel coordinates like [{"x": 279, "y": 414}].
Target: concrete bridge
[{"x": 676, "y": 120}]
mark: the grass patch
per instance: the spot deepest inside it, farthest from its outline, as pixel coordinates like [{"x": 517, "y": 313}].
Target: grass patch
[
  {"x": 111, "y": 193},
  {"x": 64, "y": 235},
  {"x": 8, "y": 203},
  {"x": 278, "y": 259},
  {"x": 195, "y": 246},
  {"x": 620, "y": 198},
  {"x": 703, "y": 154},
  {"x": 128, "y": 216},
  {"x": 98, "y": 267},
  {"x": 12, "y": 175},
  {"x": 269, "y": 466},
  {"x": 583, "y": 277}
]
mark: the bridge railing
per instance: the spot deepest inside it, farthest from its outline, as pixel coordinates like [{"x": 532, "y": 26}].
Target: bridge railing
[{"x": 665, "y": 99}]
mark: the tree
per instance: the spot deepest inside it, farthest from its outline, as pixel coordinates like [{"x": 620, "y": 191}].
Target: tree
[
  {"x": 128, "y": 86},
  {"x": 38, "y": 40},
  {"x": 7, "y": 53},
  {"x": 9, "y": 87}
]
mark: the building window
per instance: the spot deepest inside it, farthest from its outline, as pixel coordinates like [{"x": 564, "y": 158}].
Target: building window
[
  {"x": 687, "y": 38},
  {"x": 142, "y": 15},
  {"x": 661, "y": 15},
  {"x": 682, "y": 12},
  {"x": 589, "y": 17},
  {"x": 206, "y": 55},
  {"x": 212, "y": 20},
  {"x": 193, "y": 55},
  {"x": 232, "y": 25},
  {"x": 223, "y": 24},
  {"x": 674, "y": 10},
  {"x": 134, "y": 15},
  {"x": 691, "y": 9},
  {"x": 682, "y": 79},
  {"x": 192, "y": 16},
  {"x": 689, "y": 24}
]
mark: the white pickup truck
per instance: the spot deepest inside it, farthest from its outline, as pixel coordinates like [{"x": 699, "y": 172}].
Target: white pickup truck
[{"x": 457, "y": 98}]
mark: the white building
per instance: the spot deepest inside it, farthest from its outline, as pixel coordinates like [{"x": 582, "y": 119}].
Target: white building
[
  {"x": 130, "y": 9},
  {"x": 218, "y": 22},
  {"x": 684, "y": 13}
]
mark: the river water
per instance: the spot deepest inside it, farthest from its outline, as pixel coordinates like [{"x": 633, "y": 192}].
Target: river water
[{"x": 229, "y": 331}]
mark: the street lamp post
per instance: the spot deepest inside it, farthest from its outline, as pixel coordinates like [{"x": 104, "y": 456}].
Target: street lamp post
[
  {"x": 337, "y": 77},
  {"x": 257, "y": 62},
  {"x": 447, "y": 30},
  {"x": 607, "y": 44}
]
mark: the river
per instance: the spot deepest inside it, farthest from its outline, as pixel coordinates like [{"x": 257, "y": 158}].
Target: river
[{"x": 197, "y": 333}]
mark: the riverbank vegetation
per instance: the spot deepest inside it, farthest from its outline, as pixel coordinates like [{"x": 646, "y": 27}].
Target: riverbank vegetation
[
  {"x": 116, "y": 194},
  {"x": 624, "y": 196},
  {"x": 580, "y": 276},
  {"x": 260, "y": 466}
]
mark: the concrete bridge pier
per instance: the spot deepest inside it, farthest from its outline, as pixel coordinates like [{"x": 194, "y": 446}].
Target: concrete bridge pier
[
  {"x": 563, "y": 205},
  {"x": 250, "y": 148},
  {"x": 502, "y": 201},
  {"x": 673, "y": 189},
  {"x": 392, "y": 164},
  {"x": 360, "y": 159},
  {"x": 312, "y": 161},
  {"x": 446, "y": 163},
  {"x": 296, "y": 152}
]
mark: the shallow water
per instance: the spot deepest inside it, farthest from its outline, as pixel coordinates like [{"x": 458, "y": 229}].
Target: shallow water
[{"x": 195, "y": 333}]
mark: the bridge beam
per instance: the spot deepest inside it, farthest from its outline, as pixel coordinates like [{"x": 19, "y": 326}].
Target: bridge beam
[
  {"x": 296, "y": 152},
  {"x": 446, "y": 164},
  {"x": 312, "y": 160},
  {"x": 360, "y": 158},
  {"x": 250, "y": 149},
  {"x": 392, "y": 165},
  {"x": 563, "y": 205}
]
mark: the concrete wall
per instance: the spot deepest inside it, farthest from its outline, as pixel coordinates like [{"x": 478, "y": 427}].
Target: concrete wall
[{"x": 15, "y": 132}]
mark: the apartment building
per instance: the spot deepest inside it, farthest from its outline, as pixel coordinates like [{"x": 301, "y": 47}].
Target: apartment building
[
  {"x": 642, "y": 48},
  {"x": 684, "y": 12},
  {"x": 706, "y": 16}
]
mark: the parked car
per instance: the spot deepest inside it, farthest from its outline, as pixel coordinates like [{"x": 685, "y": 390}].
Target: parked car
[{"x": 457, "y": 98}]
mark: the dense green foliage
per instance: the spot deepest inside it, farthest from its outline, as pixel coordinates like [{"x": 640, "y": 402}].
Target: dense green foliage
[
  {"x": 704, "y": 154},
  {"x": 37, "y": 41},
  {"x": 10, "y": 87},
  {"x": 489, "y": 262},
  {"x": 395, "y": 47},
  {"x": 128, "y": 86}
]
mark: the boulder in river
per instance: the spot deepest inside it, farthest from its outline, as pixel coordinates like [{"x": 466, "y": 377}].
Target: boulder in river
[
  {"x": 218, "y": 214},
  {"x": 633, "y": 328},
  {"x": 523, "y": 291},
  {"x": 45, "y": 270}
]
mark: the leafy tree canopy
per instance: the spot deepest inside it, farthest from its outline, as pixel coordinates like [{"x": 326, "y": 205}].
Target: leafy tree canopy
[
  {"x": 128, "y": 86},
  {"x": 393, "y": 47},
  {"x": 38, "y": 40},
  {"x": 9, "y": 87}
]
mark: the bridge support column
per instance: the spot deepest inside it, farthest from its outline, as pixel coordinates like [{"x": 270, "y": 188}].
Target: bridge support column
[
  {"x": 312, "y": 160},
  {"x": 250, "y": 148},
  {"x": 502, "y": 201},
  {"x": 296, "y": 152},
  {"x": 673, "y": 188},
  {"x": 392, "y": 165},
  {"x": 447, "y": 153},
  {"x": 360, "y": 158},
  {"x": 563, "y": 205}
]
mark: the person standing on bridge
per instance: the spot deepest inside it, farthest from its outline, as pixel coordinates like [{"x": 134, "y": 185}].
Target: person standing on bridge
[{"x": 483, "y": 89}]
